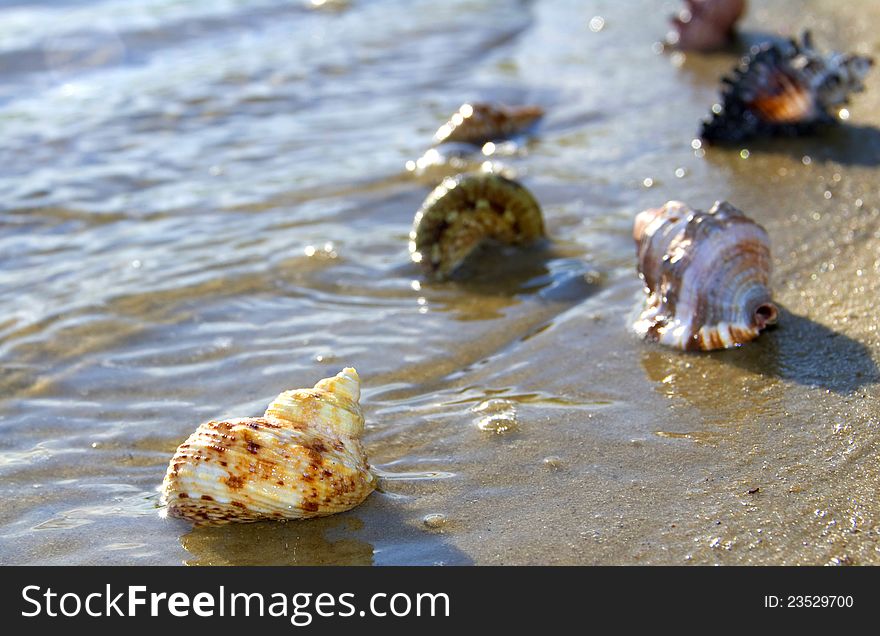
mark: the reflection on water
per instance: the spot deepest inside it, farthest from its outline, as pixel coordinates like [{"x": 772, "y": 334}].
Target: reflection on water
[
  {"x": 720, "y": 390},
  {"x": 279, "y": 543},
  {"x": 496, "y": 277}
]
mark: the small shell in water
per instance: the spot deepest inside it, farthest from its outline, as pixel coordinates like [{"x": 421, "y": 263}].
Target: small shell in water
[
  {"x": 303, "y": 458},
  {"x": 463, "y": 212},
  {"x": 785, "y": 89},
  {"x": 706, "y": 275},
  {"x": 478, "y": 123},
  {"x": 705, "y": 25}
]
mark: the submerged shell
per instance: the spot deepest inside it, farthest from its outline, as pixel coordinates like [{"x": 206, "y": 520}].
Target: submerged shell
[
  {"x": 478, "y": 123},
  {"x": 785, "y": 89},
  {"x": 705, "y": 25},
  {"x": 463, "y": 212},
  {"x": 303, "y": 458},
  {"x": 706, "y": 275}
]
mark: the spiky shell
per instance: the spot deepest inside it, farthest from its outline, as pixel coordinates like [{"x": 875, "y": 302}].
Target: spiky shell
[
  {"x": 303, "y": 458},
  {"x": 466, "y": 210},
  {"x": 478, "y": 123},
  {"x": 785, "y": 89},
  {"x": 706, "y": 275},
  {"x": 705, "y": 25}
]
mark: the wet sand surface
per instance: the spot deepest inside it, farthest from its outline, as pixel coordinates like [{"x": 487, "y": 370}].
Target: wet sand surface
[{"x": 205, "y": 204}]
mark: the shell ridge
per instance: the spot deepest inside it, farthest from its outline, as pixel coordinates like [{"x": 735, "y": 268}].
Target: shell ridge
[
  {"x": 465, "y": 211},
  {"x": 706, "y": 276}
]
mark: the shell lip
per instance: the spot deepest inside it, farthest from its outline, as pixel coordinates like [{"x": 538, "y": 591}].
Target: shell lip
[
  {"x": 766, "y": 314},
  {"x": 469, "y": 211}
]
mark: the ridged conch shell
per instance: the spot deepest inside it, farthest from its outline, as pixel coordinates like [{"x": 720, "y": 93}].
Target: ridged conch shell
[
  {"x": 706, "y": 275},
  {"x": 705, "y": 25},
  {"x": 478, "y": 123},
  {"x": 785, "y": 89},
  {"x": 303, "y": 458},
  {"x": 463, "y": 212}
]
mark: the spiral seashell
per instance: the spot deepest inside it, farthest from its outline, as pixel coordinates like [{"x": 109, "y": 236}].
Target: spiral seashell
[
  {"x": 785, "y": 89},
  {"x": 302, "y": 459},
  {"x": 705, "y": 25},
  {"x": 706, "y": 275},
  {"x": 463, "y": 212},
  {"x": 478, "y": 123}
]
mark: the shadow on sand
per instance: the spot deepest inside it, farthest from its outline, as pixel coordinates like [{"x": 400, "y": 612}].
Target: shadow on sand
[
  {"x": 848, "y": 145},
  {"x": 801, "y": 350},
  {"x": 798, "y": 350}
]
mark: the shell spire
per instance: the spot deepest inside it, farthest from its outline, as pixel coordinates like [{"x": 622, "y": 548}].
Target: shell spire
[
  {"x": 465, "y": 211},
  {"x": 706, "y": 276},
  {"x": 303, "y": 458},
  {"x": 785, "y": 89},
  {"x": 337, "y": 397}
]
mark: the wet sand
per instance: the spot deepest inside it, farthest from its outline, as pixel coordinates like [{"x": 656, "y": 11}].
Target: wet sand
[{"x": 187, "y": 233}]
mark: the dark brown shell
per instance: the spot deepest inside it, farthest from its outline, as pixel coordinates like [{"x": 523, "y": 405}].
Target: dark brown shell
[
  {"x": 478, "y": 123},
  {"x": 785, "y": 89},
  {"x": 706, "y": 276},
  {"x": 463, "y": 212}
]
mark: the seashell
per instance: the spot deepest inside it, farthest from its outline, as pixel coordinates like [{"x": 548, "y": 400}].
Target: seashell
[
  {"x": 785, "y": 89},
  {"x": 478, "y": 123},
  {"x": 302, "y": 459},
  {"x": 463, "y": 212},
  {"x": 706, "y": 275},
  {"x": 705, "y": 25}
]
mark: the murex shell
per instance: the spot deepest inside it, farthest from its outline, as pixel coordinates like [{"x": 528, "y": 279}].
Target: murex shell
[
  {"x": 706, "y": 275},
  {"x": 478, "y": 123},
  {"x": 705, "y": 25},
  {"x": 785, "y": 89},
  {"x": 303, "y": 458},
  {"x": 463, "y": 212}
]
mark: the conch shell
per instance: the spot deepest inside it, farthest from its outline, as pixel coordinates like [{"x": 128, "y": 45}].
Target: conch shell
[
  {"x": 463, "y": 212},
  {"x": 705, "y": 25},
  {"x": 706, "y": 275},
  {"x": 302, "y": 459},
  {"x": 785, "y": 89},
  {"x": 478, "y": 123}
]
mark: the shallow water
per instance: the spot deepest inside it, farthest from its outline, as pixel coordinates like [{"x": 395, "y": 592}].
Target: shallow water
[{"x": 205, "y": 203}]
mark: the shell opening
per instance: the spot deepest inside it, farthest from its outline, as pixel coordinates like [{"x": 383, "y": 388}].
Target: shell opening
[{"x": 766, "y": 314}]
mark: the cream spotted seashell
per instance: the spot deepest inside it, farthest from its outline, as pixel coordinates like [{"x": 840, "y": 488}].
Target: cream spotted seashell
[
  {"x": 478, "y": 123},
  {"x": 465, "y": 211},
  {"x": 706, "y": 275},
  {"x": 304, "y": 458}
]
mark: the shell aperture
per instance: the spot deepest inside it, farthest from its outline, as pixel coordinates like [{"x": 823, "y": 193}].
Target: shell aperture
[{"x": 463, "y": 212}]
